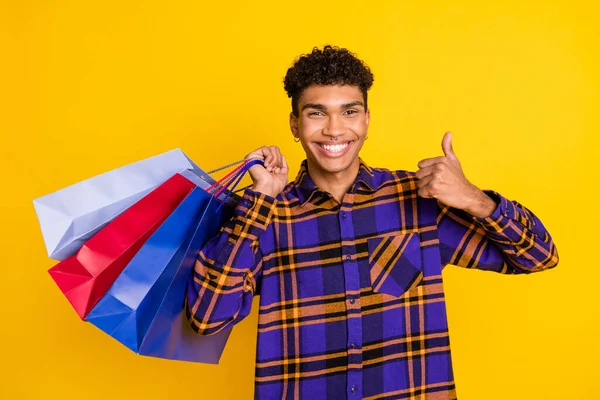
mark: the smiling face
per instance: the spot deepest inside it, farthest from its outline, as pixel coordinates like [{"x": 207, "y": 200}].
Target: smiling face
[{"x": 332, "y": 126}]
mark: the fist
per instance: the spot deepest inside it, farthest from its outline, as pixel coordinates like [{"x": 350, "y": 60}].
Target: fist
[
  {"x": 443, "y": 178},
  {"x": 271, "y": 178}
]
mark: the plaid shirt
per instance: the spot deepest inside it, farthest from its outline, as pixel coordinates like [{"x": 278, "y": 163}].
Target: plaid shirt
[{"x": 351, "y": 294}]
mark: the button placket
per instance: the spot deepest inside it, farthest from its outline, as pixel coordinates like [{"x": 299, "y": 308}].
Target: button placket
[{"x": 350, "y": 264}]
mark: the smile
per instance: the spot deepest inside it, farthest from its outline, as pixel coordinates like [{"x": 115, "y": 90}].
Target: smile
[{"x": 333, "y": 150}]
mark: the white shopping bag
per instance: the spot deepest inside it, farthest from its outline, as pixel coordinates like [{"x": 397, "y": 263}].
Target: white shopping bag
[{"x": 72, "y": 215}]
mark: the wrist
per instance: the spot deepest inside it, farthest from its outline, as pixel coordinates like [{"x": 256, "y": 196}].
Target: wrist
[
  {"x": 264, "y": 189},
  {"x": 483, "y": 205}
]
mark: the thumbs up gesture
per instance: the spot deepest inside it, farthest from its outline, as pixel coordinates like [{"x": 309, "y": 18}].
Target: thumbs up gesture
[{"x": 443, "y": 178}]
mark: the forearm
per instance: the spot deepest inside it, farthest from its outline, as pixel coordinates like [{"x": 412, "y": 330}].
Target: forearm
[
  {"x": 509, "y": 240},
  {"x": 223, "y": 283}
]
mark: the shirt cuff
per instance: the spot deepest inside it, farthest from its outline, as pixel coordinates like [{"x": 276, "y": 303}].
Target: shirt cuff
[
  {"x": 255, "y": 210},
  {"x": 504, "y": 212}
]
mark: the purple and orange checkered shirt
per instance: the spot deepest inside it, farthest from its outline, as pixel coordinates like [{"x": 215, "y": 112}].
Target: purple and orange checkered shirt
[{"x": 351, "y": 295}]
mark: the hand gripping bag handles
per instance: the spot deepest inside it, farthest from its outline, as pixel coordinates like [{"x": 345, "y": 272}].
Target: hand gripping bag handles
[{"x": 143, "y": 309}]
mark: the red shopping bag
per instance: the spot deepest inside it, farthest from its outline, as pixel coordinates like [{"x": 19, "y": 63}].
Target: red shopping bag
[{"x": 86, "y": 276}]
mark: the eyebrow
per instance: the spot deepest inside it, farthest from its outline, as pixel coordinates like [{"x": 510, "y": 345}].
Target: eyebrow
[{"x": 322, "y": 107}]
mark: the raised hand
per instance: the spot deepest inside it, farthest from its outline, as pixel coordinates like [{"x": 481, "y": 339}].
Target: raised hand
[
  {"x": 271, "y": 178},
  {"x": 443, "y": 178}
]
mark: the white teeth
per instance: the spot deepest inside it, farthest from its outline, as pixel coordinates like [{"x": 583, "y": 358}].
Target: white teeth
[{"x": 336, "y": 148}]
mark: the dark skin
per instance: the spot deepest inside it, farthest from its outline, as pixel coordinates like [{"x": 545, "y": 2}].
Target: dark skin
[
  {"x": 332, "y": 116},
  {"x": 332, "y": 127}
]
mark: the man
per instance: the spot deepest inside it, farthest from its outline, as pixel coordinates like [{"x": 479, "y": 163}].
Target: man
[{"x": 348, "y": 259}]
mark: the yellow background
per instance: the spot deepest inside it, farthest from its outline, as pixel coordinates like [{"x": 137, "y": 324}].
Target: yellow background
[{"x": 91, "y": 86}]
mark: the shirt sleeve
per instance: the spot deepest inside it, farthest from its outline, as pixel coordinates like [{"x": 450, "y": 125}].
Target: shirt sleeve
[
  {"x": 512, "y": 240},
  {"x": 227, "y": 268}
]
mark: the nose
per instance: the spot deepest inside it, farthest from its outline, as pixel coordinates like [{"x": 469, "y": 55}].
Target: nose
[{"x": 334, "y": 128}]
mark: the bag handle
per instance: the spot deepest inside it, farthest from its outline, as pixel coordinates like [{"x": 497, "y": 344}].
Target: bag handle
[
  {"x": 231, "y": 175},
  {"x": 235, "y": 180},
  {"x": 229, "y": 182}
]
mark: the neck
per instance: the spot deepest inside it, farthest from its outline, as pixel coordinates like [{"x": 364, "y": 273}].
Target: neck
[{"x": 336, "y": 183}]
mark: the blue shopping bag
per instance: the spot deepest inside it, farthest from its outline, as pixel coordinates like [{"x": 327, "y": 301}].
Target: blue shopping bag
[
  {"x": 170, "y": 335},
  {"x": 144, "y": 308}
]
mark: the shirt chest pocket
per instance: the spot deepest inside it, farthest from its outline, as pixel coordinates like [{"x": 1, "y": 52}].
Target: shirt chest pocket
[{"x": 395, "y": 264}]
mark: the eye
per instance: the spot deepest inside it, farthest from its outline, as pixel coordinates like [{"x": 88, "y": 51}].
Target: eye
[
  {"x": 348, "y": 112},
  {"x": 317, "y": 113}
]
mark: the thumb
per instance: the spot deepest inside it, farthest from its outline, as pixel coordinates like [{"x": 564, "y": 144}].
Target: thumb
[{"x": 447, "y": 146}]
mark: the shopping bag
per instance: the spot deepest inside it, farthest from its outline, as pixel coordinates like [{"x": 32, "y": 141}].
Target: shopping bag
[
  {"x": 143, "y": 309},
  {"x": 85, "y": 277},
  {"x": 141, "y": 296},
  {"x": 128, "y": 307},
  {"x": 72, "y": 215},
  {"x": 170, "y": 335}
]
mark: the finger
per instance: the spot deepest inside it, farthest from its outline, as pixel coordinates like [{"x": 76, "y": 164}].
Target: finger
[
  {"x": 447, "y": 146},
  {"x": 425, "y": 181},
  {"x": 425, "y": 191},
  {"x": 260, "y": 154},
  {"x": 269, "y": 158},
  {"x": 279, "y": 157},
  {"x": 277, "y": 154},
  {"x": 257, "y": 154},
  {"x": 430, "y": 161},
  {"x": 423, "y": 172},
  {"x": 435, "y": 169},
  {"x": 284, "y": 166}
]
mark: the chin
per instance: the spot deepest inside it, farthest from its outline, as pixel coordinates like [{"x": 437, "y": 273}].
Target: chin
[{"x": 336, "y": 165}]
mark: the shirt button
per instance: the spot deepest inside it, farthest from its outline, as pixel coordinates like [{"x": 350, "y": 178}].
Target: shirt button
[
  {"x": 344, "y": 215},
  {"x": 353, "y": 345},
  {"x": 353, "y": 389},
  {"x": 348, "y": 257},
  {"x": 352, "y": 300}
]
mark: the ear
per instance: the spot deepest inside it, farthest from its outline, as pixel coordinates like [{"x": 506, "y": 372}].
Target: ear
[
  {"x": 368, "y": 117},
  {"x": 294, "y": 125}
]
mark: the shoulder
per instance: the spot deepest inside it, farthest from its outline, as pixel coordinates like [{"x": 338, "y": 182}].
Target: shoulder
[
  {"x": 288, "y": 193},
  {"x": 401, "y": 187},
  {"x": 383, "y": 177}
]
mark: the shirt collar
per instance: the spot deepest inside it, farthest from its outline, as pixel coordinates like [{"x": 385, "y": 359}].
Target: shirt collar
[{"x": 306, "y": 188}]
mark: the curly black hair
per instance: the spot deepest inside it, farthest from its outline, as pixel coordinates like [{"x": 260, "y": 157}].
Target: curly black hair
[{"x": 330, "y": 66}]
